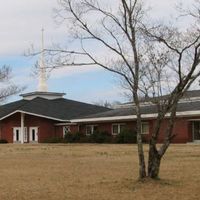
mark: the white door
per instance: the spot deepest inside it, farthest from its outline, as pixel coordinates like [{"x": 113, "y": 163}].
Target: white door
[
  {"x": 16, "y": 134},
  {"x": 33, "y": 134}
]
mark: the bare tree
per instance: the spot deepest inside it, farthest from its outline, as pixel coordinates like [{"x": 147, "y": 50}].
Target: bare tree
[
  {"x": 7, "y": 88},
  {"x": 107, "y": 104},
  {"x": 145, "y": 56}
]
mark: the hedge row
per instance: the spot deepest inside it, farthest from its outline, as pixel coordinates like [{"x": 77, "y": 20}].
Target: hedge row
[{"x": 126, "y": 136}]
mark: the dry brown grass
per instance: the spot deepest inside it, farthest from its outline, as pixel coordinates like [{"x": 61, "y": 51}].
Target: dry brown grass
[{"x": 95, "y": 172}]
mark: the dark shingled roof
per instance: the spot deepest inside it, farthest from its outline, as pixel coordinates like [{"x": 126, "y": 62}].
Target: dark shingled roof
[
  {"x": 188, "y": 95},
  {"x": 61, "y": 109},
  {"x": 65, "y": 110},
  {"x": 148, "y": 109}
]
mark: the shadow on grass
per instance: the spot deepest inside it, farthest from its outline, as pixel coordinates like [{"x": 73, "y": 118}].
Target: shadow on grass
[{"x": 148, "y": 183}]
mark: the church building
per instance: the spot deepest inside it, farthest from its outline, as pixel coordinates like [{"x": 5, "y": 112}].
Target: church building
[{"x": 42, "y": 115}]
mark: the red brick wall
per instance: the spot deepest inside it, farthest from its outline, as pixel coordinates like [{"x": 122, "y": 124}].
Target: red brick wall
[
  {"x": 107, "y": 126},
  {"x": 46, "y": 127},
  {"x": 182, "y": 129},
  {"x": 7, "y": 126}
]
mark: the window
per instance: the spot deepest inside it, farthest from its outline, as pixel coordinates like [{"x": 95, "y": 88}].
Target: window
[
  {"x": 117, "y": 128},
  {"x": 90, "y": 129},
  {"x": 145, "y": 128},
  {"x": 66, "y": 130},
  {"x": 196, "y": 130}
]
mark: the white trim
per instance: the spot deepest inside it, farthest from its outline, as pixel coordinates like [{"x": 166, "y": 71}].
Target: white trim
[
  {"x": 25, "y": 135},
  {"x": 144, "y": 123},
  {"x": 37, "y": 115},
  {"x": 186, "y": 113},
  {"x": 118, "y": 127},
  {"x": 92, "y": 128},
  {"x": 22, "y": 128},
  {"x": 104, "y": 119},
  {"x": 193, "y": 120},
  {"x": 128, "y": 117},
  {"x": 193, "y": 133},
  {"x": 14, "y": 134},
  {"x": 65, "y": 124},
  {"x": 12, "y": 113},
  {"x": 133, "y": 117},
  {"x": 65, "y": 132},
  {"x": 36, "y": 128}
]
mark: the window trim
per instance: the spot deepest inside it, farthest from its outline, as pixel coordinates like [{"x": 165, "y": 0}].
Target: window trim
[
  {"x": 18, "y": 128},
  {"x": 64, "y": 130},
  {"x": 92, "y": 128},
  {"x": 36, "y": 134},
  {"x": 119, "y": 128},
  {"x": 15, "y": 129},
  {"x": 144, "y": 123}
]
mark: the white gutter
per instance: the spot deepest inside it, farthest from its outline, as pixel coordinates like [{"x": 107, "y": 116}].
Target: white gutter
[{"x": 65, "y": 124}]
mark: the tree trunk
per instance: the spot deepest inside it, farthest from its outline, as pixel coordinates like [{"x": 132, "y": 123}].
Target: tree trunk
[
  {"x": 153, "y": 163},
  {"x": 142, "y": 167}
]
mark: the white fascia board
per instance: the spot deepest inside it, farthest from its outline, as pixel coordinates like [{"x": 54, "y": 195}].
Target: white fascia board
[
  {"x": 129, "y": 117},
  {"x": 9, "y": 115},
  {"x": 37, "y": 115},
  {"x": 133, "y": 117},
  {"x": 65, "y": 124}
]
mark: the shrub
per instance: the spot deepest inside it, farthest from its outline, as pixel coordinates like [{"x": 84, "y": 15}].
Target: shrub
[
  {"x": 100, "y": 137},
  {"x": 126, "y": 136},
  {"x": 85, "y": 139},
  {"x": 74, "y": 137},
  {"x": 3, "y": 141}
]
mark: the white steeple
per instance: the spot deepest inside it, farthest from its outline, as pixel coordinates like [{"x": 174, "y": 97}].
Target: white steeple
[{"x": 42, "y": 84}]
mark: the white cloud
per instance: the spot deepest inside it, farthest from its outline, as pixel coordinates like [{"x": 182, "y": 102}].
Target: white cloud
[
  {"x": 21, "y": 22},
  {"x": 20, "y": 25}
]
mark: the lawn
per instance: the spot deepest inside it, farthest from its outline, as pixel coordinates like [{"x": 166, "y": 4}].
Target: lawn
[{"x": 95, "y": 172}]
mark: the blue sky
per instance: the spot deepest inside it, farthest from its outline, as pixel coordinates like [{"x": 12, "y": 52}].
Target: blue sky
[{"x": 21, "y": 22}]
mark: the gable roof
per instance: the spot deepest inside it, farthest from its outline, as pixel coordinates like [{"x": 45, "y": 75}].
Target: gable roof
[{"x": 58, "y": 109}]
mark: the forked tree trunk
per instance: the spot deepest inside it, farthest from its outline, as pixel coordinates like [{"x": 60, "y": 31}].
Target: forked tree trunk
[
  {"x": 153, "y": 163},
  {"x": 142, "y": 166}
]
